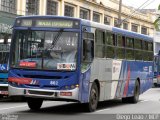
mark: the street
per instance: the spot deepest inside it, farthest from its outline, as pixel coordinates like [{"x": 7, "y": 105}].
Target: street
[{"x": 149, "y": 103}]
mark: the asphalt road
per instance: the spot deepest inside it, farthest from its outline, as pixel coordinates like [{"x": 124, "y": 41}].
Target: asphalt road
[{"x": 149, "y": 104}]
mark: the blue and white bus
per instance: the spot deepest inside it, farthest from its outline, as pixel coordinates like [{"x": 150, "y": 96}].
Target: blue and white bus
[
  {"x": 4, "y": 56},
  {"x": 156, "y": 50},
  {"x": 62, "y": 58}
]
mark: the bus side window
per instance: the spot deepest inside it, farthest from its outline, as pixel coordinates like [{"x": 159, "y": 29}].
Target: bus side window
[
  {"x": 99, "y": 43},
  {"x": 88, "y": 47},
  {"x": 88, "y": 50}
]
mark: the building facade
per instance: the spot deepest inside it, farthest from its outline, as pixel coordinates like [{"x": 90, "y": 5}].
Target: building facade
[
  {"x": 8, "y": 10},
  {"x": 102, "y": 11}
]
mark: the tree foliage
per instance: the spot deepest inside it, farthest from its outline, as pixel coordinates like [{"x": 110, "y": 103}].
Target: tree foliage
[{"x": 157, "y": 22}]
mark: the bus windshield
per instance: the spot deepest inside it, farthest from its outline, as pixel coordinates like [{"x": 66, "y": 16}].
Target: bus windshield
[{"x": 45, "y": 50}]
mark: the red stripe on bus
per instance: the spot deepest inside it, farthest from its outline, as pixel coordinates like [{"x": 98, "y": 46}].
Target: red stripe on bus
[
  {"x": 20, "y": 80},
  {"x": 127, "y": 83}
]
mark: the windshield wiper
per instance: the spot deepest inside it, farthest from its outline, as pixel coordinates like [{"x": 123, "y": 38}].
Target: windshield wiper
[{"x": 56, "y": 38}]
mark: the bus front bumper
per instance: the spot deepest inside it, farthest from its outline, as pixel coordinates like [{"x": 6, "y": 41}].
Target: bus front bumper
[{"x": 45, "y": 94}]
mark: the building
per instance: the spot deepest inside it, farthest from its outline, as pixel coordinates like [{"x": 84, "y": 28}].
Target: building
[
  {"x": 7, "y": 16},
  {"x": 103, "y": 11}
]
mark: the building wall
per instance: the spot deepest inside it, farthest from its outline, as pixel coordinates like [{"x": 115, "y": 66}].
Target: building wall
[
  {"x": 102, "y": 7},
  {"x": 7, "y": 17}
]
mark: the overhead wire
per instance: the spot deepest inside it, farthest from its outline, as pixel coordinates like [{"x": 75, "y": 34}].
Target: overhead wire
[{"x": 136, "y": 10}]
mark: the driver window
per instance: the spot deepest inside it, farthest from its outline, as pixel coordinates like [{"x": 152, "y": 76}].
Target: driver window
[{"x": 87, "y": 50}]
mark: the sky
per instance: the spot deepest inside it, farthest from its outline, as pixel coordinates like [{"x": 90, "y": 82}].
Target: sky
[{"x": 151, "y": 4}]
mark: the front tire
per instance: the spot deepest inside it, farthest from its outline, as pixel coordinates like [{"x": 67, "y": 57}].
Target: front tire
[
  {"x": 34, "y": 103},
  {"x": 93, "y": 98}
]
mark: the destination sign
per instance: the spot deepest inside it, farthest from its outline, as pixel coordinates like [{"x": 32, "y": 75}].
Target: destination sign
[
  {"x": 26, "y": 23},
  {"x": 51, "y": 23},
  {"x": 57, "y": 23}
]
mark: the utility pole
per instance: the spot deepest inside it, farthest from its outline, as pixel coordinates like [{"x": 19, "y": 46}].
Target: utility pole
[{"x": 119, "y": 13}]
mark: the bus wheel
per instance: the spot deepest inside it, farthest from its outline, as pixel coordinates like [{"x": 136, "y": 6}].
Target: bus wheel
[
  {"x": 34, "y": 103},
  {"x": 135, "y": 97},
  {"x": 93, "y": 98}
]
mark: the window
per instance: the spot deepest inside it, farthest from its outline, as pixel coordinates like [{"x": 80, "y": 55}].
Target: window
[
  {"x": 120, "y": 41},
  {"x": 52, "y": 7},
  {"x": 125, "y": 25},
  {"x": 96, "y": 17},
  {"x": 144, "y": 30},
  {"x": 99, "y": 51},
  {"x": 84, "y": 14},
  {"x": 8, "y": 6},
  {"x": 109, "y": 40},
  {"x": 120, "y": 49},
  {"x": 134, "y": 28},
  {"x": 69, "y": 11},
  {"x": 27, "y": 45},
  {"x": 150, "y": 46},
  {"x": 116, "y": 23},
  {"x": 120, "y": 53},
  {"x": 129, "y": 54},
  {"x": 150, "y": 54},
  {"x": 107, "y": 20},
  {"x": 32, "y": 7},
  {"x": 109, "y": 45},
  {"x": 138, "y": 54},
  {"x": 99, "y": 39},
  {"x": 110, "y": 52},
  {"x": 88, "y": 50},
  {"x": 129, "y": 42},
  {"x": 145, "y": 45},
  {"x": 147, "y": 56},
  {"x": 138, "y": 44},
  {"x": 147, "y": 51},
  {"x": 88, "y": 46}
]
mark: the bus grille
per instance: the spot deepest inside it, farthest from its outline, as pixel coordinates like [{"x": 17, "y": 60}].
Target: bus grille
[
  {"x": 44, "y": 86},
  {"x": 40, "y": 93}
]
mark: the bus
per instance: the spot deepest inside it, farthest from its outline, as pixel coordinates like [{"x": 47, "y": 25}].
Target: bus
[
  {"x": 4, "y": 56},
  {"x": 156, "y": 80},
  {"x": 70, "y": 59}
]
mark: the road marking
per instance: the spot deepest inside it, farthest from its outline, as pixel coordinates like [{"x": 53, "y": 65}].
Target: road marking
[
  {"x": 103, "y": 110},
  {"x": 13, "y": 107},
  {"x": 144, "y": 101}
]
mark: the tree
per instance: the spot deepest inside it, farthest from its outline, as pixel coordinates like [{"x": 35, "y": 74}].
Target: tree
[{"x": 157, "y": 22}]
